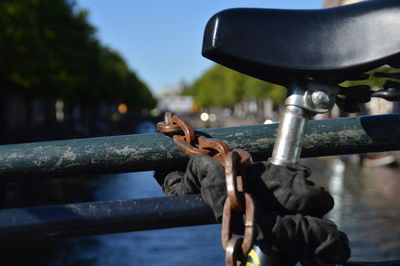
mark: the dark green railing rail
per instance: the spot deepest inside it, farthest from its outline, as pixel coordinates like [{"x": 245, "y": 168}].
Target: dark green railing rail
[
  {"x": 92, "y": 218},
  {"x": 157, "y": 151}
]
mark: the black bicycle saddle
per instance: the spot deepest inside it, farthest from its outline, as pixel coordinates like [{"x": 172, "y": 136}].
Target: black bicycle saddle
[{"x": 329, "y": 45}]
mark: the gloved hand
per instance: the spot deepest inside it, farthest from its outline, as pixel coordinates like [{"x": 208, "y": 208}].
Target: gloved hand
[{"x": 277, "y": 192}]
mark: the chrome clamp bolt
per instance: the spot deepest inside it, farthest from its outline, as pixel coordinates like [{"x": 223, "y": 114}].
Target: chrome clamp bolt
[{"x": 320, "y": 99}]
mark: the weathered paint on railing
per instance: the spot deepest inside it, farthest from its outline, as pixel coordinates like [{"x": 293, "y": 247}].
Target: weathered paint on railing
[{"x": 158, "y": 151}]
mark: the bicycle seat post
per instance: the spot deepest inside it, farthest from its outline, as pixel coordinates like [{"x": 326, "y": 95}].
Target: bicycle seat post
[{"x": 303, "y": 102}]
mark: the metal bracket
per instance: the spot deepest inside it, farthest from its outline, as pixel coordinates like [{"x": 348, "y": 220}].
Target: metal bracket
[
  {"x": 315, "y": 98},
  {"x": 303, "y": 103}
]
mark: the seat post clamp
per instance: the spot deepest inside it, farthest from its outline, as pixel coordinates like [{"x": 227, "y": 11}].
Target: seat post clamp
[{"x": 302, "y": 104}]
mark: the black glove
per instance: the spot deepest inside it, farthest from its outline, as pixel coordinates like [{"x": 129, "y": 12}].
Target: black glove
[
  {"x": 287, "y": 190},
  {"x": 203, "y": 175},
  {"x": 170, "y": 182},
  {"x": 275, "y": 190},
  {"x": 278, "y": 192},
  {"x": 277, "y": 187},
  {"x": 307, "y": 238}
]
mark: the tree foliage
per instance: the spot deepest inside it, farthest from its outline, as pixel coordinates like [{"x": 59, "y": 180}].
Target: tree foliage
[
  {"x": 48, "y": 49},
  {"x": 223, "y": 87},
  {"x": 119, "y": 83}
]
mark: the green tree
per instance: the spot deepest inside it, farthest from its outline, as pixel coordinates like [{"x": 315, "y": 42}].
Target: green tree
[
  {"x": 48, "y": 50},
  {"x": 119, "y": 83},
  {"x": 222, "y": 87}
]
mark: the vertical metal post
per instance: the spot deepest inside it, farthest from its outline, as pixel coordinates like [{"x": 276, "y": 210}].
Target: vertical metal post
[
  {"x": 289, "y": 139},
  {"x": 301, "y": 105}
]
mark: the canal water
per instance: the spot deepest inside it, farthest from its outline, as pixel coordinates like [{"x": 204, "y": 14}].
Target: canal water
[
  {"x": 367, "y": 208},
  {"x": 367, "y": 205}
]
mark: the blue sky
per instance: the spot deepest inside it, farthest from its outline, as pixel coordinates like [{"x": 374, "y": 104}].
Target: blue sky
[{"x": 161, "y": 39}]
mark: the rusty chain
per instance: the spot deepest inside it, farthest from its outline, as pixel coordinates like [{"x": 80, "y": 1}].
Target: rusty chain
[{"x": 238, "y": 201}]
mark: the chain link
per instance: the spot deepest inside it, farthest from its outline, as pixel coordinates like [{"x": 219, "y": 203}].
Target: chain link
[{"x": 239, "y": 202}]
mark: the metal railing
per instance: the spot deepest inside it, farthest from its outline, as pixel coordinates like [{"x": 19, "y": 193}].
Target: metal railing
[
  {"x": 102, "y": 217},
  {"x": 157, "y": 151}
]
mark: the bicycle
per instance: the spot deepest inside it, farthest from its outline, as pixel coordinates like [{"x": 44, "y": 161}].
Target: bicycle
[{"x": 310, "y": 52}]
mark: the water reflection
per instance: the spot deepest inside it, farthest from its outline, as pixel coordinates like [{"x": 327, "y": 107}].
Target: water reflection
[
  {"x": 366, "y": 205},
  {"x": 336, "y": 187}
]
